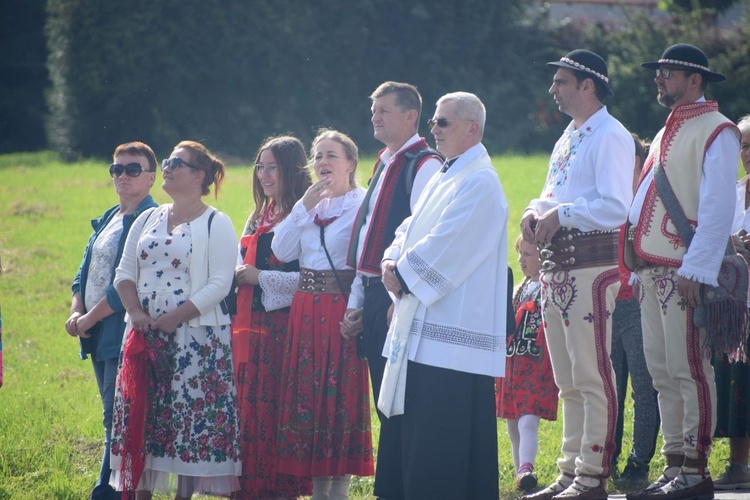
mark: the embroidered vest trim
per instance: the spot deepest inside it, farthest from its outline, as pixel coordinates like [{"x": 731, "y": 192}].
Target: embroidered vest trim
[
  {"x": 680, "y": 148},
  {"x": 393, "y": 204}
]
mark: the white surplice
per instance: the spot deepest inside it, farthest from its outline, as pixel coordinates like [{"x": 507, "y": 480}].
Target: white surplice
[{"x": 458, "y": 272}]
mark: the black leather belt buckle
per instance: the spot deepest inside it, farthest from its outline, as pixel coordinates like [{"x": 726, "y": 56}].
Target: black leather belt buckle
[{"x": 370, "y": 280}]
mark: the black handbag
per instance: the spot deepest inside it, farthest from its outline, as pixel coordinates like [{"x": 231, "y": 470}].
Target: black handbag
[{"x": 229, "y": 303}]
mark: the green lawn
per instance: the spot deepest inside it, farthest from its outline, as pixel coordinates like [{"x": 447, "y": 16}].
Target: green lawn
[{"x": 50, "y": 414}]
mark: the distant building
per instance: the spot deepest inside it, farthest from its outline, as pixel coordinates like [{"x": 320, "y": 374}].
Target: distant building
[
  {"x": 599, "y": 10},
  {"x": 615, "y": 11}
]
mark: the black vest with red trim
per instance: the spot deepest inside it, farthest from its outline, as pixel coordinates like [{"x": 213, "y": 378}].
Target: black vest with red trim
[{"x": 393, "y": 203}]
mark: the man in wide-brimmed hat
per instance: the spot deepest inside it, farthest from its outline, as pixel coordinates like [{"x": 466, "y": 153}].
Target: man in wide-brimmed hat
[
  {"x": 574, "y": 222},
  {"x": 696, "y": 152}
]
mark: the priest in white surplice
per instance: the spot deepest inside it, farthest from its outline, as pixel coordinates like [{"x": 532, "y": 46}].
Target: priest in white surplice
[{"x": 447, "y": 269}]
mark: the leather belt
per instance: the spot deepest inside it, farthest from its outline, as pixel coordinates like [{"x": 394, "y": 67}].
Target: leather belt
[
  {"x": 371, "y": 280},
  {"x": 317, "y": 282},
  {"x": 573, "y": 249}
]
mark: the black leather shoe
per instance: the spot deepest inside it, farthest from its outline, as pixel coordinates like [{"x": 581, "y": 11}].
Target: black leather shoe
[
  {"x": 578, "y": 491},
  {"x": 547, "y": 493},
  {"x": 678, "y": 489}
]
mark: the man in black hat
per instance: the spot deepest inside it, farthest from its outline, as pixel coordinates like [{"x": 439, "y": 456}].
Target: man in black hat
[
  {"x": 696, "y": 152},
  {"x": 574, "y": 223}
]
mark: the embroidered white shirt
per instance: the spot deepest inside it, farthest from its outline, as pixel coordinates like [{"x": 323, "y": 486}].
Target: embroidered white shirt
[{"x": 590, "y": 175}]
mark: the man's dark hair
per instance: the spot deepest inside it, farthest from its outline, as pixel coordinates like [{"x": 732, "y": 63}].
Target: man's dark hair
[
  {"x": 407, "y": 96},
  {"x": 599, "y": 88}
]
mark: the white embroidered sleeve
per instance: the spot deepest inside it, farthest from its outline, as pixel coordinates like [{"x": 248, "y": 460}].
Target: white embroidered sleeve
[
  {"x": 287, "y": 234},
  {"x": 278, "y": 288}
]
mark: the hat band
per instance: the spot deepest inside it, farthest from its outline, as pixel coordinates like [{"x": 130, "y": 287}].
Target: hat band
[
  {"x": 584, "y": 68},
  {"x": 684, "y": 63}
]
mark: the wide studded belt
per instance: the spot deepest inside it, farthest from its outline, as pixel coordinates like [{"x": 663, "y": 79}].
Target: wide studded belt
[
  {"x": 631, "y": 233},
  {"x": 573, "y": 249},
  {"x": 316, "y": 282}
]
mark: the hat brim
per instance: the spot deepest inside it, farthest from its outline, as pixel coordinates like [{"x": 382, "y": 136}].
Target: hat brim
[
  {"x": 561, "y": 64},
  {"x": 710, "y": 75}
]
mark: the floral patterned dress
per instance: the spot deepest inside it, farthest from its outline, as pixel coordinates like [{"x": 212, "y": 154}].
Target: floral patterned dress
[
  {"x": 191, "y": 420},
  {"x": 528, "y": 387}
]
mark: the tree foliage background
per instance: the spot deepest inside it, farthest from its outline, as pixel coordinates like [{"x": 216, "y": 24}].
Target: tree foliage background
[{"x": 231, "y": 73}]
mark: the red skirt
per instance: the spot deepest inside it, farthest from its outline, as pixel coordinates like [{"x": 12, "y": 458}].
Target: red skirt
[
  {"x": 528, "y": 387},
  {"x": 324, "y": 428},
  {"x": 258, "y": 379}
]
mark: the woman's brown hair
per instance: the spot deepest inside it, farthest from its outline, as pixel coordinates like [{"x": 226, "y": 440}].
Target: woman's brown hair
[
  {"x": 212, "y": 167},
  {"x": 292, "y": 175},
  {"x": 350, "y": 148}
]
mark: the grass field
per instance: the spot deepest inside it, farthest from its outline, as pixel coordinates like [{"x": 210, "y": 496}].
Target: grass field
[{"x": 50, "y": 413}]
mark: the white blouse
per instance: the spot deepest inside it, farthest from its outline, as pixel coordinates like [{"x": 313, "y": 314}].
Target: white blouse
[{"x": 298, "y": 237}]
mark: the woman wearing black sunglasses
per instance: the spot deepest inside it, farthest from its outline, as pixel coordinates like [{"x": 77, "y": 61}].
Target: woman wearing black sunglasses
[
  {"x": 97, "y": 314},
  {"x": 177, "y": 267}
]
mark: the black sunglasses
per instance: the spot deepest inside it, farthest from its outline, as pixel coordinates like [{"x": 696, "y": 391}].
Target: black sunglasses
[
  {"x": 440, "y": 122},
  {"x": 174, "y": 163},
  {"x": 132, "y": 169},
  {"x": 666, "y": 72}
]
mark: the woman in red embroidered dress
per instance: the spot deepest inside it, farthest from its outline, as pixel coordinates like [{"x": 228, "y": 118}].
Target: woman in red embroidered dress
[
  {"x": 266, "y": 288},
  {"x": 528, "y": 392},
  {"x": 324, "y": 428}
]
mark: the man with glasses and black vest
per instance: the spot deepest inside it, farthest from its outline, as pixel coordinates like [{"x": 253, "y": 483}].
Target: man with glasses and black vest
[
  {"x": 400, "y": 174},
  {"x": 681, "y": 220},
  {"x": 574, "y": 223}
]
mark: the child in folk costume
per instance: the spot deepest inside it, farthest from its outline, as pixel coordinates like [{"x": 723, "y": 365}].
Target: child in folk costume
[{"x": 528, "y": 392}]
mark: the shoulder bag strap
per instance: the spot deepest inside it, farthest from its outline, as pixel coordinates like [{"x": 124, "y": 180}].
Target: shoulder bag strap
[
  {"x": 673, "y": 207},
  {"x": 330, "y": 261}
]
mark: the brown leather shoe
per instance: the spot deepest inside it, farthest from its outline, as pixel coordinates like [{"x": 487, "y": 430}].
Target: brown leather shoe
[
  {"x": 579, "y": 491},
  {"x": 547, "y": 493}
]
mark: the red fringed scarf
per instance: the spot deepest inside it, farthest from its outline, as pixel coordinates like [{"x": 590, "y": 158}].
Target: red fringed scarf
[
  {"x": 242, "y": 321},
  {"x": 134, "y": 389}
]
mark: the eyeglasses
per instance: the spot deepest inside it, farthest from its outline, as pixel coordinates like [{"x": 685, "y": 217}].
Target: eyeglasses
[
  {"x": 666, "y": 72},
  {"x": 269, "y": 169},
  {"x": 174, "y": 163},
  {"x": 440, "y": 122},
  {"x": 132, "y": 169}
]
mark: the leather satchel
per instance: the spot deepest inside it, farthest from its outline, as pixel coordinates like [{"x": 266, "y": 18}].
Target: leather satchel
[{"x": 723, "y": 308}]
